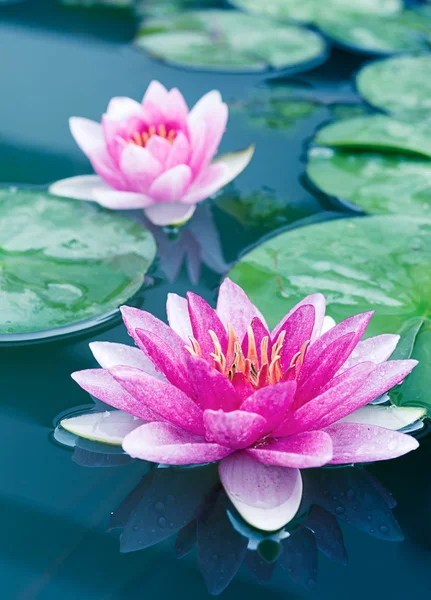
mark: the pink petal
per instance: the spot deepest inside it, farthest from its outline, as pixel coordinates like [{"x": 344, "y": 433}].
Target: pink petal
[
  {"x": 212, "y": 179},
  {"x": 266, "y": 497},
  {"x": 316, "y": 300},
  {"x": 260, "y": 331},
  {"x": 377, "y": 349},
  {"x": 121, "y": 200},
  {"x": 355, "y": 325},
  {"x": 88, "y": 134},
  {"x": 300, "y": 451},
  {"x": 156, "y": 94},
  {"x": 172, "y": 185},
  {"x": 100, "y": 384},
  {"x": 380, "y": 380},
  {"x": 140, "y": 168},
  {"x": 299, "y": 329},
  {"x": 121, "y": 107},
  {"x": 82, "y": 187},
  {"x": 179, "y": 151},
  {"x": 213, "y": 389},
  {"x": 166, "y": 444},
  {"x": 109, "y": 355},
  {"x": 234, "y": 307},
  {"x": 325, "y": 366},
  {"x": 354, "y": 443},
  {"x": 168, "y": 401},
  {"x": 214, "y": 113},
  {"x": 134, "y": 318},
  {"x": 165, "y": 360},
  {"x": 177, "y": 309},
  {"x": 341, "y": 390},
  {"x": 242, "y": 386},
  {"x": 104, "y": 166},
  {"x": 203, "y": 319},
  {"x": 169, "y": 214},
  {"x": 271, "y": 402},
  {"x": 159, "y": 147},
  {"x": 236, "y": 429},
  {"x": 176, "y": 109}
]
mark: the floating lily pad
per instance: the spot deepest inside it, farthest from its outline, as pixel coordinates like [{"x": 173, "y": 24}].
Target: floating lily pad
[
  {"x": 63, "y": 262},
  {"x": 378, "y": 132},
  {"x": 229, "y": 40},
  {"x": 381, "y": 263},
  {"x": 375, "y": 183},
  {"x": 399, "y": 85},
  {"x": 405, "y": 32},
  {"x": 161, "y": 8},
  {"x": 309, "y": 11}
]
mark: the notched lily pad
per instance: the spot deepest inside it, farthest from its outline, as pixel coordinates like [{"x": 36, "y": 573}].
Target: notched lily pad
[
  {"x": 400, "y": 85},
  {"x": 309, "y": 11},
  {"x": 374, "y": 183},
  {"x": 380, "y": 263},
  {"x": 230, "y": 41},
  {"x": 378, "y": 132},
  {"x": 64, "y": 262}
]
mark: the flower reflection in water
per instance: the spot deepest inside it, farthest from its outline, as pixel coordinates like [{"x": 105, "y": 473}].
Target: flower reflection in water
[{"x": 191, "y": 505}]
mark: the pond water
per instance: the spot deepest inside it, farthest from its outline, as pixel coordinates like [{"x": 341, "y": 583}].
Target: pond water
[{"x": 57, "y": 62}]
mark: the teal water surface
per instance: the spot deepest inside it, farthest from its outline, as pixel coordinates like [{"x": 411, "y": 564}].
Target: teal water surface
[{"x": 58, "y": 62}]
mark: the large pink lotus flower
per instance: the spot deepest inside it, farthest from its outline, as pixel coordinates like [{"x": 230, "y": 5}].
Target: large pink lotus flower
[
  {"x": 217, "y": 385},
  {"x": 155, "y": 155}
]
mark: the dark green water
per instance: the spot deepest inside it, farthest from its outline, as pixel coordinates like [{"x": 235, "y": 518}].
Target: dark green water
[{"x": 57, "y": 62}]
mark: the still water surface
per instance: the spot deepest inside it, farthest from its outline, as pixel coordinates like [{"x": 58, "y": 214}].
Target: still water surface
[{"x": 57, "y": 62}]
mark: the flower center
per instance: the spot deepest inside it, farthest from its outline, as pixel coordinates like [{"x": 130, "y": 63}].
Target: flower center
[
  {"x": 258, "y": 370},
  {"x": 141, "y": 139}
]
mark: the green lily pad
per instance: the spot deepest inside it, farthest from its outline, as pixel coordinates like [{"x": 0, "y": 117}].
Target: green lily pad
[
  {"x": 161, "y": 8},
  {"x": 229, "y": 40},
  {"x": 375, "y": 183},
  {"x": 381, "y": 263},
  {"x": 63, "y": 262},
  {"x": 309, "y": 11},
  {"x": 405, "y": 32},
  {"x": 399, "y": 85},
  {"x": 378, "y": 132}
]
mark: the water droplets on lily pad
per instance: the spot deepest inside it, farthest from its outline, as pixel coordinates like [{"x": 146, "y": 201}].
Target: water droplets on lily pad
[
  {"x": 377, "y": 163},
  {"x": 230, "y": 41},
  {"x": 400, "y": 85},
  {"x": 64, "y": 263},
  {"x": 309, "y": 11},
  {"x": 408, "y": 31},
  {"x": 381, "y": 263}
]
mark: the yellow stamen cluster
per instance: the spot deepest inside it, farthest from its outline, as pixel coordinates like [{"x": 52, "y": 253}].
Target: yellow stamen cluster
[
  {"x": 141, "y": 139},
  {"x": 258, "y": 371}
]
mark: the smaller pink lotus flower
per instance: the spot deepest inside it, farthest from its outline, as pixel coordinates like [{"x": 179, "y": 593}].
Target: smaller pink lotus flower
[
  {"x": 155, "y": 155},
  {"x": 218, "y": 385}
]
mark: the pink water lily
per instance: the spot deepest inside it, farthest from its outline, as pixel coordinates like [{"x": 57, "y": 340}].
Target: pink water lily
[
  {"x": 218, "y": 385},
  {"x": 155, "y": 155}
]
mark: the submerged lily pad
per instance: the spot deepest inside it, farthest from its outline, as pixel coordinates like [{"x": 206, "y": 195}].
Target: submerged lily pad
[
  {"x": 380, "y": 263},
  {"x": 405, "y": 32},
  {"x": 399, "y": 85},
  {"x": 229, "y": 40},
  {"x": 378, "y": 132},
  {"x": 63, "y": 261},
  {"x": 309, "y": 11},
  {"x": 375, "y": 183}
]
